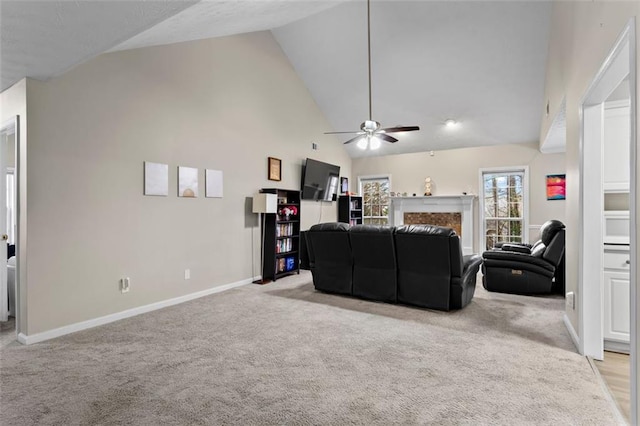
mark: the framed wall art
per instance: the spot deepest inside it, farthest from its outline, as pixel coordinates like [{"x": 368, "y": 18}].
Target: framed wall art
[
  {"x": 344, "y": 185},
  {"x": 275, "y": 169},
  {"x": 556, "y": 187},
  {"x": 187, "y": 182},
  {"x": 213, "y": 183},
  {"x": 156, "y": 179}
]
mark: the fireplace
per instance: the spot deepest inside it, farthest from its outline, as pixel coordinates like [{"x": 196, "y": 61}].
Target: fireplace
[
  {"x": 452, "y": 211},
  {"x": 448, "y": 220}
]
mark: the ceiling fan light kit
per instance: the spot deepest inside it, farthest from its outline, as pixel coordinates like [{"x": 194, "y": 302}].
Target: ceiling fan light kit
[{"x": 371, "y": 134}]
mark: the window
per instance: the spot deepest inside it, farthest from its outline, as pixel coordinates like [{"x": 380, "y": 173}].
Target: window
[
  {"x": 503, "y": 206},
  {"x": 375, "y": 195}
]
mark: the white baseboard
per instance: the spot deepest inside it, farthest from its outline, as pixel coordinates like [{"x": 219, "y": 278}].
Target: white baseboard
[
  {"x": 72, "y": 328},
  {"x": 572, "y": 331},
  {"x": 620, "y": 347}
]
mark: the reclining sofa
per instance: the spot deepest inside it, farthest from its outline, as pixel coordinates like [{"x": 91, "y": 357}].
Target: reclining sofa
[{"x": 419, "y": 265}]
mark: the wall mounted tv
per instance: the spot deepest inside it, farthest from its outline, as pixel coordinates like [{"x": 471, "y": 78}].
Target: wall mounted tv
[{"x": 319, "y": 180}]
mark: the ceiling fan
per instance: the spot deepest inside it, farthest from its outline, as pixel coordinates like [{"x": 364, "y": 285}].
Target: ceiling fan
[{"x": 371, "y": 133}]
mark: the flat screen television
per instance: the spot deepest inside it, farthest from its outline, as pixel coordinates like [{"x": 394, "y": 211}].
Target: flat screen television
[{"x": 320, "y": 180}]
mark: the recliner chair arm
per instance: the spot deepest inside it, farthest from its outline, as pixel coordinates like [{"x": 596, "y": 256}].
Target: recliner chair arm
[
  {"x": 515, "y": 258},
  {"x": 516, "y": 248}
]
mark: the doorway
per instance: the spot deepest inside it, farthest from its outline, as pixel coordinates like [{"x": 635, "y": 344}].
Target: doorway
[
  {"x": 9, "y": 137},
  {"x": 616, "y": 78}
]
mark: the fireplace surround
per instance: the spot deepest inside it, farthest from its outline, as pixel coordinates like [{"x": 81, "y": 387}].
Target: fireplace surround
[{"x": 462, "y": 204}]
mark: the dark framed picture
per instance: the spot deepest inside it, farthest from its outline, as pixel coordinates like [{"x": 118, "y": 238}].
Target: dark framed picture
[
  {"x": 556, "y": 187},
  {"x": 344, "y": 185},
  {"x": 275, "y": 169}
]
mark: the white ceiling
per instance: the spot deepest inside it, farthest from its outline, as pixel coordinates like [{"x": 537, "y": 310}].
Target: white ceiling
[{"x": 480, "y": 62}]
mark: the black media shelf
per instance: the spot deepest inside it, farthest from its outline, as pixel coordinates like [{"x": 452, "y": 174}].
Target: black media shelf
[{"x": 281, "y": 235}]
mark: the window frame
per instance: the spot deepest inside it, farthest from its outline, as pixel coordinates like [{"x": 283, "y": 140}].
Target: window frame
[
  {"x": 361, "y": 194},
  {"x": 525, "y": 200}
]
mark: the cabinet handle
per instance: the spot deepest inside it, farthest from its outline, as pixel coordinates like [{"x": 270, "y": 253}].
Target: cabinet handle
[{"x": 628, "y": 262}]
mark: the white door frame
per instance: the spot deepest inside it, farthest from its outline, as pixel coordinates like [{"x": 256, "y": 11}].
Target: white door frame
[
  {"x": 11, "y": 127},
  {"x": 620, "y": 63}
]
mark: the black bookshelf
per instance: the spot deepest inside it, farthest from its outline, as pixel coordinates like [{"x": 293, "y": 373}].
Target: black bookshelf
[
  {"x": 282, "y": 236},
  {"x": 350, "y": 209}
]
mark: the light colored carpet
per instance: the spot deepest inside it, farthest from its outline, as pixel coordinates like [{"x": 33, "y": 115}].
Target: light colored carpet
[{"x": 286, "y": 354}]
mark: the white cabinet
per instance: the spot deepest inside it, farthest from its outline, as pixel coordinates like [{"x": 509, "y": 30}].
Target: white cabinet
[
  {"x": 616, "y": 297},
  {"x": 616, "y": 153}
]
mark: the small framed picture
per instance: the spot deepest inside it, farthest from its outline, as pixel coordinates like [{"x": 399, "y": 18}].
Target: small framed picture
[
  {"x": 556, "y": 187},
  {"x": 275, "y": 165},
  {"x": 344, "y": 185}
]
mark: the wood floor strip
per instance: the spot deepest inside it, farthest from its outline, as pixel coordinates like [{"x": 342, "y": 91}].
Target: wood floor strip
[{"x": 615, "y": 370}]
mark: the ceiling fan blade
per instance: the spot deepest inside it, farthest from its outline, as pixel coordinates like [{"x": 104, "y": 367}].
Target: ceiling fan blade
[
  {"x": 339, "y": 133},
  {"x": 386, "y": 137},
  {"x": 401, "y": 129},
  {"x": 357, "y": 138}
]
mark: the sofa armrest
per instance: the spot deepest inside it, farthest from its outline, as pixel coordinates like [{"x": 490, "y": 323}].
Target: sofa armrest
[
  {"x": 470, "y": 265},
  {"x": 462, "y": 288}
]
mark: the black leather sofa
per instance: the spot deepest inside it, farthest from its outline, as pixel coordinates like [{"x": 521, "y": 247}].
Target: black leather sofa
[
  {"x": 528, "y": 269},
  {"x": 420, "y": 265}
]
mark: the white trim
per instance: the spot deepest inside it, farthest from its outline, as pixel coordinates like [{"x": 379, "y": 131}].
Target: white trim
[
  {"x": 84, "y": 325},
  {"x": 613, "y": 346},
  {"x": 590, "y": 252},
  {"x": 525, "y": 200},
  {"x": 633, "y": 223},
  {"x": 620, "y": 63},
  {"x": 572, "y": 331}
]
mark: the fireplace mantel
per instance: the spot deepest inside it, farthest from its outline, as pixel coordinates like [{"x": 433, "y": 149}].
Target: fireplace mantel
[{"x": 437, "y": 204}]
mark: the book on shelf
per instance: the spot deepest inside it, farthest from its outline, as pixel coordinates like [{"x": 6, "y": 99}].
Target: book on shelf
[
  {"x": 286, "y": 264},
  {"x": 284, "y": 245},
  {"x": 291, "y": 263},
  {"x": 284, "y": 230}
]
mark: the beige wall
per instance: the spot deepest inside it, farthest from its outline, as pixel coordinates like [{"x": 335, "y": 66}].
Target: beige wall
[
  {"x": 457, "y": 170},
  {"x": 225, "y": 104},
  {"x": 582, "y": 35}
]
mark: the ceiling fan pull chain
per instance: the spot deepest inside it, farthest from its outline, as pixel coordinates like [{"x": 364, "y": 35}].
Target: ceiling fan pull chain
[
  {"x": 369, "y": 55},
  {"x": 370, "y": 133}
]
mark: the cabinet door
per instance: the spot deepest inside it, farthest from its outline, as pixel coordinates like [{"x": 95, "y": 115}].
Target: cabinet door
[
  {"x": 616, "y": 306},
  {"x": 616, "y": 174}
]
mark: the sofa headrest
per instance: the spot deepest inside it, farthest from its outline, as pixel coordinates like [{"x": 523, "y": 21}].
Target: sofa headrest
[
  {"x": 372, "y": 229},
  {"x": 549, "y": 229},
  {"x": 331, "y": 226},
  {"x": 425, "y": 230}
]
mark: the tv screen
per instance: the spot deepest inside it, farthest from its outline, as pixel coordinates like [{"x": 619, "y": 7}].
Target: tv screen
[{"x": 319, "y": 180}]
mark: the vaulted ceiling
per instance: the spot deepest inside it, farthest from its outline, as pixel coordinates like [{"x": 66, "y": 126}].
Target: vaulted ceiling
[{"x": 478, "y": 62}]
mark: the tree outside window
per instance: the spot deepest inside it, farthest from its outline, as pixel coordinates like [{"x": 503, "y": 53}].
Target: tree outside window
[
  {"x": 503, "y": 207},
  {"x": 375, "y": 195}
]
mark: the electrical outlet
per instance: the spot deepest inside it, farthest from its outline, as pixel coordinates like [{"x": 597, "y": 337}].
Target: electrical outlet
[
  {"x": 570, "y": 300},
  {"x": 187, "y": 274},
  {"x": 125, "y": 285},
  {"x": 314, "y": 146}
]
